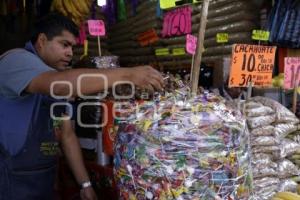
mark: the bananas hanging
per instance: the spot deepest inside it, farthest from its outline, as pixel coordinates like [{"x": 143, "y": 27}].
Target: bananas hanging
[
  {"x": 77, "y": 10},
  {"x": 286, "y": 196}
]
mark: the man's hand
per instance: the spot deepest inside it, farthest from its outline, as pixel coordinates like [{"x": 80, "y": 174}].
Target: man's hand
[
  {"x": 88, "y": 194},
  {"x": 146, "y": 77}
]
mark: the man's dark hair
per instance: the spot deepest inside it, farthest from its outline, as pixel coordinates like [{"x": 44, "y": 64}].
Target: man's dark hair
[{"x": 53, "y": 25}]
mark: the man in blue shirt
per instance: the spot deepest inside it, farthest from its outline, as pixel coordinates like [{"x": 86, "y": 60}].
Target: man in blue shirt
[{"x": 27, "y": 77}]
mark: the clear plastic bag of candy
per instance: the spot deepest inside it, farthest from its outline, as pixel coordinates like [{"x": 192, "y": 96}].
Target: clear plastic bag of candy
[
  {"x": 265, "y": 182},
  {"x": 288, "y": 185},
  {"x": 179, "y": 148},
  {"x": 283, "y": 115},
  {"x": 264, "y": 141},
  {"x": 260, "y": 111},
  {"x": 263, "y": 131},
  {"x": 282, "y": 130},
  {"x": 288, "y": 147},
  {"x": 275, "y": 150},
  {"x": 265, "y": 193},
  {"x": 287, "y": 169},
  {"x": 263, "y": 160},
  {"x": 260, "y": 121},
  {"x": 252, "y": 105},
  {"x": 261, "y": 171}
]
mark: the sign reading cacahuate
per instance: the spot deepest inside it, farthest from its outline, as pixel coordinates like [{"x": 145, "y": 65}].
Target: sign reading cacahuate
[{"x": 252, "y": 63}]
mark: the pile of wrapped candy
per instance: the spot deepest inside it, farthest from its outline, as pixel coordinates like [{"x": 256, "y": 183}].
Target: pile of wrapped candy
[
  {"x": 273, "y": 137},
  {"x": 176, "y": 147}
]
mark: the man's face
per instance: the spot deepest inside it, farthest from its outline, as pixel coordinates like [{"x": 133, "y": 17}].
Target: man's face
[{"x": 57, "y": 52}]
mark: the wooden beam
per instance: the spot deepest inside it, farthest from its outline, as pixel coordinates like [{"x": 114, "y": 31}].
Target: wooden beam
[{"x": 198, "y": 56}]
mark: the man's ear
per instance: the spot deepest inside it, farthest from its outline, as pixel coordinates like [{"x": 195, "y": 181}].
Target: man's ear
[{"x": 41, "y": 40}]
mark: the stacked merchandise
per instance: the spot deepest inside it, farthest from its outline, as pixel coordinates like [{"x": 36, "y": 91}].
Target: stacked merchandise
[
  {"x": 176, "y": 147},
  {"x": 270, "y": 126}
]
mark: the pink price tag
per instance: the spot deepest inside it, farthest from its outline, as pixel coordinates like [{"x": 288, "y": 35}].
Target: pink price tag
[
  {"x": 177, "y": 22},
  {"x": 96, "y": 27},
  {"x": 191, "y": 44},
  {"x": 291, "y": 72}
]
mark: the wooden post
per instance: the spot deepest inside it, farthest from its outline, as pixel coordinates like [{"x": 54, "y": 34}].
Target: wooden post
[
  {"x": 295, "y": 94},
  {"x": 198, "y": 56},
  {"x": 295, "y": 98},
  {"x": 249, "y": 90},
  {"x": 99, "y": 46},
  {"x": 193, "y": 59}
]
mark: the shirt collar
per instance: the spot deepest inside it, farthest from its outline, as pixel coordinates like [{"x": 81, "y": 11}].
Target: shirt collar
[{"x": 29, "y": 47}]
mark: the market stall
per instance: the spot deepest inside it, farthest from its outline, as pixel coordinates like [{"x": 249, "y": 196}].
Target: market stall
[{"x": 188, "y": 141}]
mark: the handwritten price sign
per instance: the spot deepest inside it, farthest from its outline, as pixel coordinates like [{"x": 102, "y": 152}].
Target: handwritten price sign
[
  {"x": 191, "y": 44},
  {"x": 162, "y": 52},
  {"x": 251, "y": 63},
  {"x": 177, "y": 22},
  {"x": 178, "y": 51},
  {"x": 291, "y": 72},
  {"x": 222, "y": 37},
  {"x": 260, "y": 35},
  {"x": 147, "y": 37},
  {"x": 96, "y": 27}
]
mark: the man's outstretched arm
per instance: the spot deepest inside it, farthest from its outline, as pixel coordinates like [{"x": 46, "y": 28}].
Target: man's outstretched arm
[{"x": 143, "y": 77}]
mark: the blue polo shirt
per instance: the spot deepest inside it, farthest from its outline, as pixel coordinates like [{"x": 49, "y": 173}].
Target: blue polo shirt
[{"x": 17, "y": 109}]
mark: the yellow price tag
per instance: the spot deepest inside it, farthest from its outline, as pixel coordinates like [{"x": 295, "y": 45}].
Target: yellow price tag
[
  {"x": 178, "y": 51},
  {"x": 260, "y": 35},
  {"x": 165, "y": 4},
  {"x": 177, "y": 192},
  {"x": 298, "y": 90},
  {"x": 162, "y": 52},
  {"x": 222, "y": 37},
  {"x": 85, "y": 49}
]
